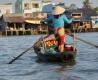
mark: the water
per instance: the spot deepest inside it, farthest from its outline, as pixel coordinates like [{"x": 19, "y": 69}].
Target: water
[{"x": 27, "y": 68}]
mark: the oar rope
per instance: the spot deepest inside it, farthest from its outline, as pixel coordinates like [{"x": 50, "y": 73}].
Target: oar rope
[
  {"x": 20, "y": 55},
  {"x": 87, "y": 42}
]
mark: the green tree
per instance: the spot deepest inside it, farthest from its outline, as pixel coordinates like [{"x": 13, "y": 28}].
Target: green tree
[
  {"x": 73, "y": 6},
  {"x": 96, "y": 8},
  {"x": 87, "y": 4}
]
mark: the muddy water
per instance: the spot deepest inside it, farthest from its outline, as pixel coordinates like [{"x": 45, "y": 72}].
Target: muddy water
[{"x": 27, "y": 67}]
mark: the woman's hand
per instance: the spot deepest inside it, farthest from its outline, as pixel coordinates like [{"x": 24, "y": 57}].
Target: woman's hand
[{"x": 43, "y": 22}]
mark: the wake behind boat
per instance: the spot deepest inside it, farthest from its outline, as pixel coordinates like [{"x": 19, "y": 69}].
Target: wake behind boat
[{"x": 46, "y": 50}]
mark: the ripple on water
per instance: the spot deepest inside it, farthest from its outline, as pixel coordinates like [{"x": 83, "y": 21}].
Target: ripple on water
[{"x": 26, "y": 67}]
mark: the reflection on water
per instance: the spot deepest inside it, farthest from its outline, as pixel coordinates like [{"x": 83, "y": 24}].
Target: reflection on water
[{"x": 27, "y": 67}]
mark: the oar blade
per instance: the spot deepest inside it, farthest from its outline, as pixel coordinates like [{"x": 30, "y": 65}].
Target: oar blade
[{"x": 13, "y": 60}]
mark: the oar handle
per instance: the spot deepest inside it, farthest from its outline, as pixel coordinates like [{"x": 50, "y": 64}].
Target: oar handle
[{"x": 87, "y": 42}]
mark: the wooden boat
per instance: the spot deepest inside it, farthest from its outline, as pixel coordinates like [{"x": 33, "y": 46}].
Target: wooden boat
[{"x": 44, "y": 55}]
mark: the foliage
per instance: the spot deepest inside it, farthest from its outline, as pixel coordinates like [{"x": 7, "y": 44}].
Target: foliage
[
  {"x": 87, "y": 4},
  {"x": 73, "y": 6},
  {"x": 96, "y": 8}
]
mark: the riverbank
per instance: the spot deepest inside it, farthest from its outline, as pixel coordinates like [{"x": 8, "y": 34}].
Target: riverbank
[
  {"x": 22, "y": 32},
  {"x": 37, "y": 32}
]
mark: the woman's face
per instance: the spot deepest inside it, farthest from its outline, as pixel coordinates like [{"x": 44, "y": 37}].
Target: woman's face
[{"x": 56, "y": 16}]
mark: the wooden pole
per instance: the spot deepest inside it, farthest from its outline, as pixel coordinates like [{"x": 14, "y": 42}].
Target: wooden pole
[
  {"x": 87, "y": 42},
  {"x": 13, "y": 60},
  {"x": 23, "y": 26}
]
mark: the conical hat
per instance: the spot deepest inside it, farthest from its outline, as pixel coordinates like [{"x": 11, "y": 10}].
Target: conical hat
[{"x": 58, "y": 10}]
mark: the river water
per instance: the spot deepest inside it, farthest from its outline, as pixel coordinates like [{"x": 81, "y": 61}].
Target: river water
[{"x": 27, "y": 67}]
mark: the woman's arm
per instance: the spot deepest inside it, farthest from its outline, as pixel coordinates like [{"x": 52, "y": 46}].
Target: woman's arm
[
  {"x": 49, "y": 19},
  {"x": 66, "y": 20}
]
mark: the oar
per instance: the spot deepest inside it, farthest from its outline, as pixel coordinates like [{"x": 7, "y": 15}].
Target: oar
[
  {"x": 87, "y": 42},
  {"x": 13, "y": 60}
]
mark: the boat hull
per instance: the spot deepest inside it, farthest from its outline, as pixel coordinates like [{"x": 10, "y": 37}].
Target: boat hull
[
  {"x": 57, "y": 57},
  {"x": 68, "y": 55}
]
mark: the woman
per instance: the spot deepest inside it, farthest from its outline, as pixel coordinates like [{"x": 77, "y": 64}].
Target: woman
[{"x": 58, "y": 20}]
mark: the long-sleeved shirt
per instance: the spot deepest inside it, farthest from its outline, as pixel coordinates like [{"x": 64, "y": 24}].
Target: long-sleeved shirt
[{"x": 58, "y": 22}]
